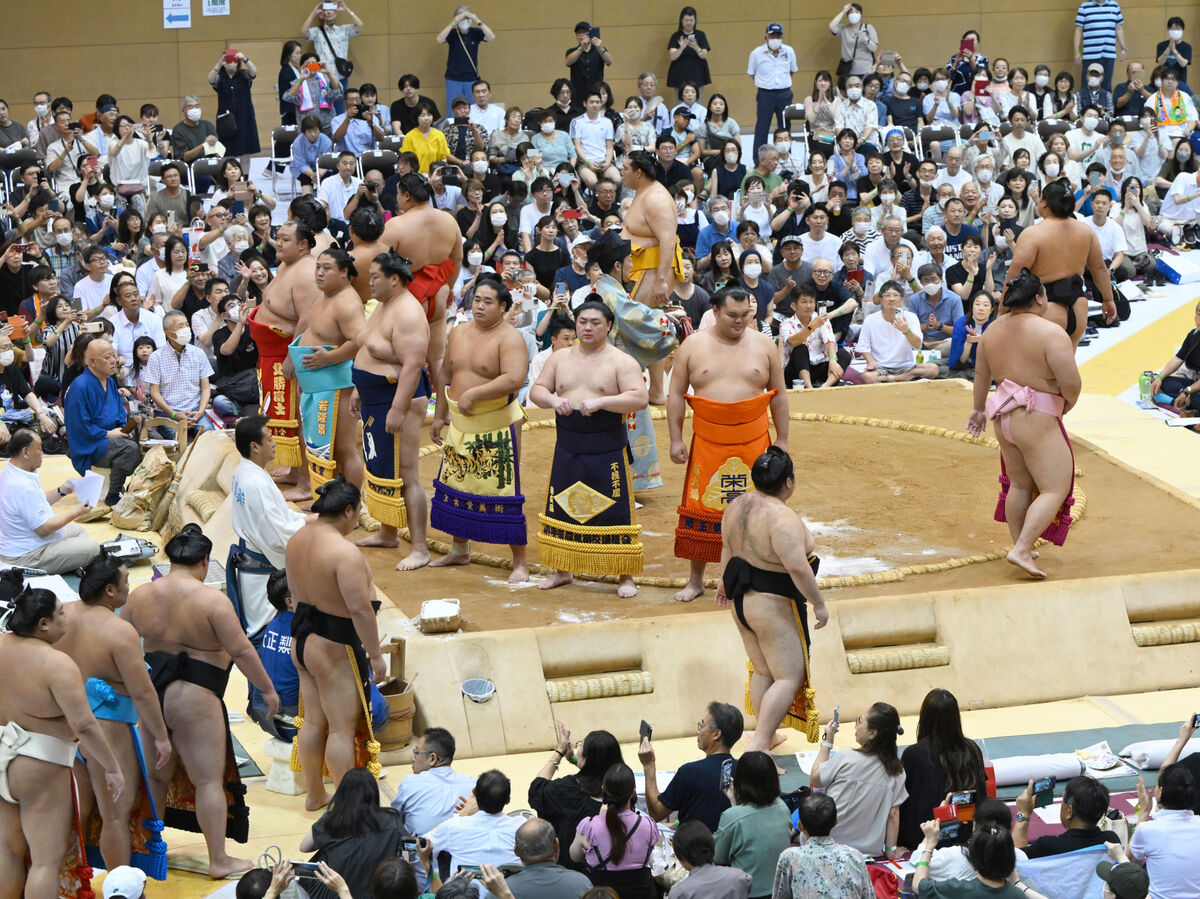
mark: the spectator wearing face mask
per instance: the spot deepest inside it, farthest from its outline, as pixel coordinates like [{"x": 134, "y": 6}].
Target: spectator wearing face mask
[
  {"x": 1093, "y": 93},
  {"x": 859, "y": 42},
  {"x": 1100, "y": 36},
  {"x": 193, "y": 136},
  {"x": 1175, "y": 53}
]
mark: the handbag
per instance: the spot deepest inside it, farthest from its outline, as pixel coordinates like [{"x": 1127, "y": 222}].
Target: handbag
[
  {"x": 226, "y": 125},
  {"x": 241, "y": 387},
  {"x": 345, "y": 68}
]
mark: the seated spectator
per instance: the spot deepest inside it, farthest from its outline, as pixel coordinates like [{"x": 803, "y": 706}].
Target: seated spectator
[
  {"x": 132, "y": 321},
  {"x": 356, "y": 130},
  {"x": 956, "y": 230},
  {"x": 818, "y": 242},
  {"x": 206, "y": 321},
  {"x": 695, "y": 849},
  {"x": 31, "y": 535},
  {"x": 434, "y": 790},
  {"x": 695, "y": 790},
  {"x": 968, "y": 330},
  {"x": 554, "y": 144},
  {"x": 337, "y": 189},
  {"x": 1084, "y": 803},
  {"x": 991, "y": 854},
  {"x": 310, "y": 144},
  {"x": 821, "y": 868},
  {"x": 428, "y": 143},
  {"x": 275, "y": 651},
  {"x": 1191, "y": 762},
  {"x": 91, "y": 291},
  {"x": 543, "y": 877},
  {"x": 354, "y": 834},
  {"x": 721, "y": 229},
  {"x": 689, "y": 296},
  {"x": 1111, "y": 237},
  {"x": 480, "y": 831},
  {"x": 615, "y": 848},
  {"x": 463, "y": 136},
  {"x": 405, "y": 110},
  {"x": 757, "y": 827},
  {"x": 1167, "y": 842},
  {"x": 178, "y": 375},
  {"x": 970, "y": 273},
  {"x": 592, "y": 134},
  {"x": 810, "y": 351},
  {"x": 833, "y": 297},
  {"x": 867, "y": 783},
  {"x": 20, "y": 406},
  {"x": 96, "y": 422},
  {"x": 1094, "y": 184},
  {"x": 952, "y": 862},
  {"x": 1122, "y": 878},
  {"x": 936, "y": 307},
  {"x": 941, "y": 761},
  {"x": 568, "y": 800}
]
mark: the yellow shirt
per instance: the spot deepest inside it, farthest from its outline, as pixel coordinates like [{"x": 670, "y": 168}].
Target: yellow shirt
[{"x": 428, "y": 149}]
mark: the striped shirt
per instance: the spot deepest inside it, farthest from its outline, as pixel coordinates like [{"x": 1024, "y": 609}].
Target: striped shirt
[{"x": 1099, "y": 21}]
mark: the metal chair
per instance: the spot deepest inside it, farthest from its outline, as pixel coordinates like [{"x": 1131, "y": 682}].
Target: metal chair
[
  {"x": 205, "y": 166},
  {"x": 284, "y": 134}
]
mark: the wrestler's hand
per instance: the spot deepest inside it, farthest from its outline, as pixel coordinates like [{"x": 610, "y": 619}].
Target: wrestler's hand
[
  {"x": 781, "y": 443},
  {"x": 318, "y": 358},
  {"x": 289, "y": 370},
  {"x": 562, "y": 405},
  {"x": 679, "y": 452},
  {"x": 466, "y": 402},
  {"x": 1109, "y": 311},
  {"x": 660, "y": 295},
  {"x": 435, "y": 429},
  {"x": 355, "y": 402},
  {"x": 976, "y": 423},
  {"x": 272, "y": 701},
  {"x": 116, "y": 784},
  {"x": 395, "y": 421},
  {"x": 163, "y": 749},
  {"x": 821, "y": 613},
  {"x": 378, "y": 670},
  {"x": 589, "y": 407},
  {"x": 720, "y": 598}
]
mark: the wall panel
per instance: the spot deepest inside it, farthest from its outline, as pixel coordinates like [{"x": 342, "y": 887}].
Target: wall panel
[{"x": 121, "y": 47}]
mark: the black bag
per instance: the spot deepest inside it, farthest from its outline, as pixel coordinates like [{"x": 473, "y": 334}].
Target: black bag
[
  {"x": 241, "y": 387},
  {"x": 226, "y": 125},
  {"x": 345, "y": 68}
]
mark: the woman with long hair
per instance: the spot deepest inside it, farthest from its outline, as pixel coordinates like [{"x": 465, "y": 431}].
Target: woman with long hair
[
  {"x": 688, "y": 51},
  {"x": 756, "y": 828},
  {"x": 820, "y": 109},
  {"x": 867, "y": 783},
  {"x": 354, "y": 834},
  {"x": 615, "y": 844},
  {"x": 59, "y": 334},
  {"x": 964, "y": 343},
  {"x": 719, "y": 127},
  {"x": 724, "y": 269},
  {"x": 173, "y": 275},
  {"x": 565, "y": 801},
  {"x": 942, "y": 760}
]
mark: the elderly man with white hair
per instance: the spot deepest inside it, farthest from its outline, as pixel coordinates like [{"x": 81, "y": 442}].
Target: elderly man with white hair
[
  {"x": 953, "y": 174},
  {"x": 877, "y": 257}
]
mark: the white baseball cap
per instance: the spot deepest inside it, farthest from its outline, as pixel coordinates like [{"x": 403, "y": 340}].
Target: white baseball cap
[{"x": 124, "y": 882}]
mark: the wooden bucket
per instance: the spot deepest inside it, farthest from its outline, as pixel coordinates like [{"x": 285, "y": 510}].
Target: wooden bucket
[{"x": 399, "y": 729}]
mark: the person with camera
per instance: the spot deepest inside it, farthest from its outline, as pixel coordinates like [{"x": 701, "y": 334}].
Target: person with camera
[
  {"x": 64, "y": 153},
  {"x": 337, "y": 190},
  {"x": 355, "y": 130},
  {"x": 332, "y": 42},
  {"x": 231, "y": 79}
]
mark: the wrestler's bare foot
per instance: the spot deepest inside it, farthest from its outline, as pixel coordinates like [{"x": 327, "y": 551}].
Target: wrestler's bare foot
[
  {"x": 757, "y": 745},
  {"x": 298, "y": 494},
  {"x": 418, "y": 558},
  {"x": 556, "y": 580},
  {"x": 777, "y": 739},
  {"x": 285, "y": 476},
  {"x": 379, "y": 539},
  {"x": 1024, "y": 560},
  {"x": 626, "y": 588},
  {"x": 520, "y": 574},
  {"x": 690, "y": 592},
  {"x": 311, "y": 805},
  {"x": 229, "y": 865},
  {"x": 451, "y": 558}
]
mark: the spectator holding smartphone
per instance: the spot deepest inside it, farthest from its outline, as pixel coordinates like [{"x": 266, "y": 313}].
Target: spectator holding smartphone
[{"x": 1084, "y": 803}]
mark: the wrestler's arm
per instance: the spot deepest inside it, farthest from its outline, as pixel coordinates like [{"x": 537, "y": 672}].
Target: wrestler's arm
[
  {"x": 789, "y": 544},
  {"x": 1060, "y": 356},
  {"x": 228, "y": 631},
  {"x": 444, "y": 376},
  {"x": 1102, "y": 277},
  {"x": 354, "y": 584},
  {"x": 66, "y": 686},
  {"x": 352, "y": 323},
  {"x": 541, "y": 394},
  {"x": 779, "y": 403},
  {"x": 664, "y": 224},
  {"x": 514, "y": 366},
  {"x": 676, "y": 404},
  {"x": 719, "y": 597},
  {"x": 127, "y": 656}
]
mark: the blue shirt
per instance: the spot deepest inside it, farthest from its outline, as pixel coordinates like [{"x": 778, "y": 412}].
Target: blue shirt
[
  {"x": 948, "y": 309},
  {"x": 1099, "y": 23},
  {"x": 710, "y": 235},
  {"x": 358, "y": 137},
  {"x": 305, "y": 153},
  {"x": 91, "y": 412},
  {"x": 276, "y": 654},
  {"x": 1086, "y": 209}
]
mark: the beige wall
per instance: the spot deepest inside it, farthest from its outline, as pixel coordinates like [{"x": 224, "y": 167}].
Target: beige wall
[{"x": 82, "y": 49}]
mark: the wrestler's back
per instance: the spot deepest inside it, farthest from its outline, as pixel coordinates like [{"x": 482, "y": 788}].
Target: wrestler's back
[
  {"x": 1060, "y": 247},
  {"x": 1016, "y": 348},
  {"x": 92, "y": 634},
  {"x": 27, "y": 666},
  {"x": 729, "y": 372},
  {"x": 423, "y": 234},
  {"x": 362, "y": 256},
  {"x": 178, "y": 614},
  {"x": 750, "y": 522},
  {"x": 314, "y": 563}
]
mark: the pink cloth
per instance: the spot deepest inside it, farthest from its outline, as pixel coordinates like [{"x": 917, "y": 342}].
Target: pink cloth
[{"x": 1010, "y": 396}]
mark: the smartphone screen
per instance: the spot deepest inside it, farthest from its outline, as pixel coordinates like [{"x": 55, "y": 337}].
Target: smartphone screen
[
  {"x": 1196, "y": 720},
  {"x": 726, "y": 774},
  {"x": 470, "y": 869},
  {"x": 1094, "y": 179},
  {"x": 304, "y": 869}
]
